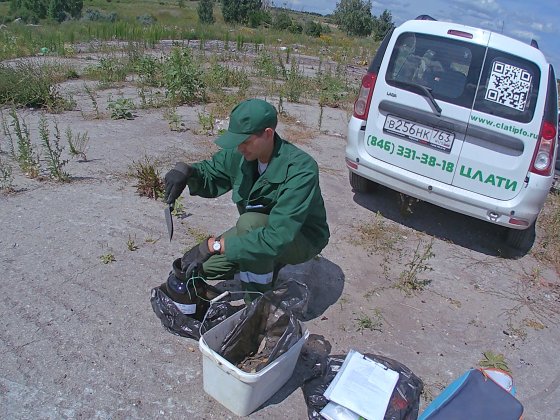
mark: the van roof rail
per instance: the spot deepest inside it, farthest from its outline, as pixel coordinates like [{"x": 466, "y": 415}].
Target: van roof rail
[
  {"x": 424, "y": 17},
  {"x": 535, "y": 44}
]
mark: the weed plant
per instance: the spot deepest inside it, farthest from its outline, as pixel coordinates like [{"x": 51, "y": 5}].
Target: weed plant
[
  {"x": 148, "y": 179},
  {"x": 295, "y": 84},
  {"x": 107, "y": 258},
  {"x": 131, "y": 244},
  {"x": 174, "y": 119},
  {"x": 26, "y": 156},
  {"x": 78, "y": 144},
  {"x": 178, "y": 207},
  {"x": 365, "y": 321},
  {"x": 6, "y": 177},
  {"x": 8, "y": 134},
  {"x": 410, "y": 280},
  {"x": 332, "y": 87},
  {"x": 53, "y": 150},
  {"x": 494, "y": 360},
  {"x": 120, "y": 108},
  {"x": 206, "y": 121},
  {"x": 265, "y": 66},
  {"x": 183, "y": 78},
  {"x": 93, "y": 98},
  {"x": 149, "y": 71},
  {"x": 218, "y": 77},
  {"x": 151, "y": 98}
]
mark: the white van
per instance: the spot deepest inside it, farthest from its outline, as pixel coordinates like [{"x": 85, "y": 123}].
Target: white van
[{"x": 460, "y": 117}]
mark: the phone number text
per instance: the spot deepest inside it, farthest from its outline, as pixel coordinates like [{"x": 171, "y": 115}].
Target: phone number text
[{"x": 409, "y": 153}]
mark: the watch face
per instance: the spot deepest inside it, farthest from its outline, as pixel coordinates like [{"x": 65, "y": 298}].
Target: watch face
[{"x": 216, "y": 246}]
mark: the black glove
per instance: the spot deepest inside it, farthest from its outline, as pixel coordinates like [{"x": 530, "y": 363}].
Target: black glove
[
  {"x": 194, "y": 258},
  {"x": 176, "y": 181}
]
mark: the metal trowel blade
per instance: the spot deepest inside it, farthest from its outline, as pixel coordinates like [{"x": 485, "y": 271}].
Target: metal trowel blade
[{"x": 169, "y": 220}]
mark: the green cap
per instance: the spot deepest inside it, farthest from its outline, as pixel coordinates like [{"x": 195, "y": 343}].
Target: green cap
[{"x": 247, "y": 118}]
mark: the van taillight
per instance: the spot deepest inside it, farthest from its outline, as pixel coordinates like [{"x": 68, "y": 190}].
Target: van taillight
[
  {"x": 361, "y": 106},
  {"x": 544, "y": 151}
]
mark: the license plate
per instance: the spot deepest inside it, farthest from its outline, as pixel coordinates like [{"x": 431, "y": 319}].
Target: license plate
[{"x": 434, "y": 137}]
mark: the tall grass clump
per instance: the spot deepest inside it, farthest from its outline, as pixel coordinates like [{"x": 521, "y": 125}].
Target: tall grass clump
[
  {"x": 266, "y": 66},
  {"x": 149, "y": 182},
  {"x": 26, "y": 156},
  {"x": 295, "y": 84},
  {"x": 109, "y": 70},
  {"x": 53, "y": 150},
  {"x": 28, "y": 84},
  {"x": 219, "y": 76},
  {"x": 332, "y": 86}
]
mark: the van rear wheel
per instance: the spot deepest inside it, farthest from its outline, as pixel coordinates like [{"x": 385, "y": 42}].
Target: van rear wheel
[
  {"x": 360, "y": 184},
  {"x": 521, "y": 239}
]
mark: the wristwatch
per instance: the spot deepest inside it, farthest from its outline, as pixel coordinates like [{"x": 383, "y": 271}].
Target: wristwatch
[{"x": 217, "y": 247}]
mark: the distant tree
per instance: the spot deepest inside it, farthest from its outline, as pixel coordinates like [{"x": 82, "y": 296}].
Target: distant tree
[
  {"x": 75, "y": 8},
  {"x": 205, "y": 11},
  {"x": 238, "y": 11},
  {"x": 55, "y": 10},
  {"x": 295, "y": 27},
  {"x": 354, "y": 17},
  {"x": 281, "y": 21},
  {"x": 258, "y": 17},
  {"x": 33, "y": 10},
  {"x": 382, "y": 25},
  {"x": 312, "y": 28}
]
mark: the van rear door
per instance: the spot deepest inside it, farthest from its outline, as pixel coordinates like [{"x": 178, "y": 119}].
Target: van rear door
[
  {"x": 423, "y": 97},
  {"x": 506, "y": 120}
]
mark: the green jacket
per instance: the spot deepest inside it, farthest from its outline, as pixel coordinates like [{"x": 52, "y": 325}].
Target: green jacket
[{"x": 288, "y": 191}]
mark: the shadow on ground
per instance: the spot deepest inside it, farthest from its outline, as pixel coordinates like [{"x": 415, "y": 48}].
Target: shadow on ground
[
  {"x": 444, "y": 224},
  {"x": 323, "y": 278}
]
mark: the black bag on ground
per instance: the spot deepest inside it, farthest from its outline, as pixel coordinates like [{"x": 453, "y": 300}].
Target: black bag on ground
[
  {"x": 268, "y": 328},
  {"x": 403, "y": 405},
  {"x": 184, "y": 325}
]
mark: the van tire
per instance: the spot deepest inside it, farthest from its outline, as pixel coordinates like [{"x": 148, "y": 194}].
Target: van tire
[
  {"x": 360, "y": 184},
  {"x": 521, "y": 239}
]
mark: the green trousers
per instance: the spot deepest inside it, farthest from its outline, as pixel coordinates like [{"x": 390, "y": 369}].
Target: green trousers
[{"x": 219, "y": 268}]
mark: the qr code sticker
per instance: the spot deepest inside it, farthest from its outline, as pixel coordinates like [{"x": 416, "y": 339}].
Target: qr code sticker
[{"x": 509, "y": 86}]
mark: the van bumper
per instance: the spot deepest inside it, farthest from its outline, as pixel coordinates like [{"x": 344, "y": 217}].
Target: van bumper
[{"x": 526, "y": 206}]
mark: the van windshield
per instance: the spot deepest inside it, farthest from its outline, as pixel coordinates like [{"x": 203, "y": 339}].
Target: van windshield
[{"x": 447, "y": 67}]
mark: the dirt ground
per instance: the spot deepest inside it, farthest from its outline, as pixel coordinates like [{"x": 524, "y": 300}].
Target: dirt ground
[{"x": 79, "y": 339}]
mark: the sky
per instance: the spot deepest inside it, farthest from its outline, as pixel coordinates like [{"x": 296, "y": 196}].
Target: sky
[{"x": 520, "y": 19}]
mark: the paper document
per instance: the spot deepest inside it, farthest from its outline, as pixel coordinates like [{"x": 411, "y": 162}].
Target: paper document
[{"x": 363, "y": 386}]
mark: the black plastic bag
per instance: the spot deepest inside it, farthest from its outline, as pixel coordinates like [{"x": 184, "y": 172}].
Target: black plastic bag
[
  {"x": 403, "y": 405},
  {"x": 268, "y": 328},
  {"x": 178, "y": 323}
]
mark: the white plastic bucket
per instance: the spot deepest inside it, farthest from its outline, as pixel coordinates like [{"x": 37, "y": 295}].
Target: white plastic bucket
[{"x": 239, "y": 391}]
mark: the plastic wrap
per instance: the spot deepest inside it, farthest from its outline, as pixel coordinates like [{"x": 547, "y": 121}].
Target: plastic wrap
[{"x": 268, "y": 328}]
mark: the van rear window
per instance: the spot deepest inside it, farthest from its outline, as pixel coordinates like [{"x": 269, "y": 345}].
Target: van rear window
[
  {"x": 450, "y": 68},
  {"x": 508, "y": 87}
]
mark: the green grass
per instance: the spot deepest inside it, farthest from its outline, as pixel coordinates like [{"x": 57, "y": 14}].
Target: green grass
[{"x": 172, "y": 22}]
